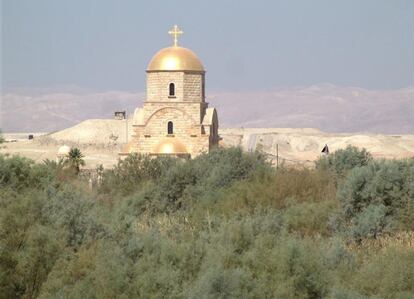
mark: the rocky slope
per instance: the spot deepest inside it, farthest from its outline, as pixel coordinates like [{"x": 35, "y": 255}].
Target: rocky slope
[
  {"x": 102, "y": 139},
  {"x": 326, "y": 107}
]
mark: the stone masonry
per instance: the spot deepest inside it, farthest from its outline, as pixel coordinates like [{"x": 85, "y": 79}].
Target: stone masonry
[{"x": 195, "y": 126}]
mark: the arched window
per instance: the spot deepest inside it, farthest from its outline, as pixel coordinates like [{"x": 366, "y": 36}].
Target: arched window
[
  {"x": 172, "y": 90},
  {"x": 170, "y": 128}
]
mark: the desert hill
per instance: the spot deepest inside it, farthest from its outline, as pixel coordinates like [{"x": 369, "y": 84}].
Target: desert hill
[
  {"x": 326, "y": 107},
  {"x": 102, "y": 139}
]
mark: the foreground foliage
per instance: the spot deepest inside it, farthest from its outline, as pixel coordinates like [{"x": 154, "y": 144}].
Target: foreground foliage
[{"x": 224, "y": 225}]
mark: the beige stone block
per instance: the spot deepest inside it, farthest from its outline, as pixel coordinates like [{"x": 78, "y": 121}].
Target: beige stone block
[{"x": 186, "y": 111}]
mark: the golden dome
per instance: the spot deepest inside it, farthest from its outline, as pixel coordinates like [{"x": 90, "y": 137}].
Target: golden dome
[
  {"x": 175, "y": 59},
  {"x": 170, "y": 146}
]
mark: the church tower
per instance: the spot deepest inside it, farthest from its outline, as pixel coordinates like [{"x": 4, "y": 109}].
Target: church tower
[{"x": 175, "y": 118}]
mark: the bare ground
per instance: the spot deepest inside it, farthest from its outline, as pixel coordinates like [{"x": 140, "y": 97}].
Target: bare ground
[{"x": 100, "y": 140}]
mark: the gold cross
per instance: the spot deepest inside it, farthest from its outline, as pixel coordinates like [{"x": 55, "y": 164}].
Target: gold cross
[{"x": 175, "y": 32}]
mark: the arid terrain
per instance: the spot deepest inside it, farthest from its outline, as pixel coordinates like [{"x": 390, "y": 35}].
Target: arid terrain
[
  {"x": 327, "y": 107},
  {"x": 293, "y": 123},
  {"x": 102, "y": 139}
]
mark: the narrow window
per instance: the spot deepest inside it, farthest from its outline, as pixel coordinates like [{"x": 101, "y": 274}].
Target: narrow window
[
  {"x": 172, "y": 90},
  {"x": 170, "y": 128}
]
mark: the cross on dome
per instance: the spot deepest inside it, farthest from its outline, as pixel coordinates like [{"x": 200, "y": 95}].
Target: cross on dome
[{"x": 175, "y": 32}]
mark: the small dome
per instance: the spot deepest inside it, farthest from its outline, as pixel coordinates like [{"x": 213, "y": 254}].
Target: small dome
[
  {"x": 64, "y": 150},
  {"x": 175, "y": 59},
  {"x": 170, "y": 146}
]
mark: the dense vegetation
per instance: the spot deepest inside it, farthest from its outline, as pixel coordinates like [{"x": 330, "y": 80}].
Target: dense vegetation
[{"x": 224, "y": 225}]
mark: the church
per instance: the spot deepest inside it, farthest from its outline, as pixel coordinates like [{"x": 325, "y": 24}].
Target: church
[{"x": 175, "y": 119}]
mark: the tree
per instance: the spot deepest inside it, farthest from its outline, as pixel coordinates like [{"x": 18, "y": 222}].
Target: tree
[
  {"x": 75, "y": 159},
  {"x": 55, "y": 166},
  {"x": 16, "y": 172}
]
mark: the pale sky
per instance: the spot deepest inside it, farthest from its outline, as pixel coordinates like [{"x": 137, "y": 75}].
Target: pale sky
[{"x": 244, "y": 45}]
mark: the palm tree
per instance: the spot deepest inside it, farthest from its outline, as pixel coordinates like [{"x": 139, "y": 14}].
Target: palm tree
[
  {"x": 75, "y": 159},
  {"x": 55, "y": 166}
]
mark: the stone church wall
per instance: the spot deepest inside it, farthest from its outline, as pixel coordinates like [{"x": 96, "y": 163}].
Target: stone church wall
[
  {"x": 157, "y": 86},
  {"x": 186, "y": 109},
  {"x": 193, "y": 86},
  {"x": 186, "y": 128}
]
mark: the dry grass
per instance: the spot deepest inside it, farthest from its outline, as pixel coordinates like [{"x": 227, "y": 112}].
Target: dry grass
[
  {"x": 400, "y": 240},
  {"x": 163, "y": 223}
]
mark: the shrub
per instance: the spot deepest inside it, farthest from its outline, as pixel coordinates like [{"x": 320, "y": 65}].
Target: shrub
[
  {"x": 73, "y": 212},
  {"x": 374, "y": 197},
  {"x": 221, "y": 167},
  {"x": 343, "y": 160},
  {"x": 309, "y": 218},
  {"x": 222, "y": 225},
  {"x": 370, "y": 223},
  {"x": 274, "y": 190},
  {"x": 18, "y": 173},
  {"x": 28, "y": 245},
  {"x": 342, "y": 293},
  {"x": 128, "y": 175},
  {"x": 202, "y": 178},
  {"x": 223, "y": 283},
  {"x": 387, "y": 274}
]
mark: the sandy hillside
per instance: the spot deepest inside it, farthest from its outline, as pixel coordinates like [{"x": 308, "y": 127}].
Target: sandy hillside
[
  {"x": 324, "y": 106},
  {"x": 102, "y": 139},
  {"x": 99, "y": 140},
  {"x": 304, "y": 145},
  {"x": 40, "y": 151},
  {"x": 95, "y": 131}
]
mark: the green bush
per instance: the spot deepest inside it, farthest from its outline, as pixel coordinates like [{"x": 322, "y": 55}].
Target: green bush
[
  {"x": 200, "y": 179},
  {"x": 223, "y": 283},
  {"x": 223, "y": 225},
  {"x": 19, "y": 173},
  {"x": 342, "y": 161},
  {"x": 73, "y": 212},
  {"x": 128, "y": 175},
  {"x": 29, "y": 246},
  {"x": 370, "y": 223},
  {"x": 309, "y": 218},
  {"x": 374, "y": 197},
  {"x": 276, "y": 190},
  {"x": 347, "y": 294},
  {"x": 388, "y": 274}
]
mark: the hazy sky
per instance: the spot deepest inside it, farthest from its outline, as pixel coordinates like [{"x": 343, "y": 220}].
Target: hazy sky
[{"x": 244, "y": 45}]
